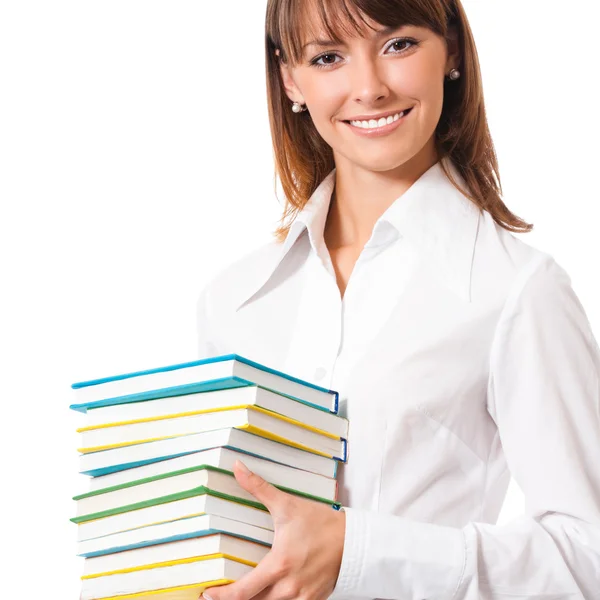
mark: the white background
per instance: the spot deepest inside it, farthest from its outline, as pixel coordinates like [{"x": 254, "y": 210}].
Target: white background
[{"x": 135, "y": 163}]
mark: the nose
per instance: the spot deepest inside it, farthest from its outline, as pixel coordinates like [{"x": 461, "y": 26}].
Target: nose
[{"x": 368, "y": 81}]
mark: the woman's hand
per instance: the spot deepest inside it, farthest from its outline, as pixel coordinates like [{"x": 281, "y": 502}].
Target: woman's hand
[{"x": 306, "y": 555}]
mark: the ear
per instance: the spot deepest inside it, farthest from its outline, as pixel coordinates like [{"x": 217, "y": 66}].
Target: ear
[
  {"x": 452, "y": 40},
  {"x": 291, "y": 89}
]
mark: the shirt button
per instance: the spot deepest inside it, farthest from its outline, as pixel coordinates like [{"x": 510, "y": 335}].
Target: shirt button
[{"x": 320, "y": 373}]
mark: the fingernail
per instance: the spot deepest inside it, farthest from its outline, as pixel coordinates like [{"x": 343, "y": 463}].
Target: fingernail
[
  {"x": 206, "y": 597},
  {"x": 244, "y": 469}
]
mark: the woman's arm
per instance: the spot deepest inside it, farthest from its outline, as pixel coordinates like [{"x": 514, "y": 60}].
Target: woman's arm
[{"x": 544, "y": 396}]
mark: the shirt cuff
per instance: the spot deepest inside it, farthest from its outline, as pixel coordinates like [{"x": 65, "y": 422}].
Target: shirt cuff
[{"x": 387, "y": 556}]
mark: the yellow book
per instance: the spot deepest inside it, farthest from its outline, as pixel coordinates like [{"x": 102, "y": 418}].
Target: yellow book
[
  {"x": 205, "y": 402},
  {"x": 252, "y": 418},
  {"x": 183, "y": 592},
  {"x": 219, "y": 545},
  {"x": 173, "y": 582}
]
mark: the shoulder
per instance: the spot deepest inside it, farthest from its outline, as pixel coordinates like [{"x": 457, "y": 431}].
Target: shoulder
[
  {"x": 528, "y": 282},
  {"x": 542, "y": 292},
  {"x": 504, "y": 263}
]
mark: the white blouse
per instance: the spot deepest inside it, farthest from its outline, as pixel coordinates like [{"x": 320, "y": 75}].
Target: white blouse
[{"x": 461, "y": 355}]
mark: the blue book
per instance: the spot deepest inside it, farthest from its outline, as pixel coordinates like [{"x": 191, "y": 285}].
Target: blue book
[
  {"x": 173, "y": 531},
  {"x": 210, "y": 374},
  {"x": 105, "y": 462}
]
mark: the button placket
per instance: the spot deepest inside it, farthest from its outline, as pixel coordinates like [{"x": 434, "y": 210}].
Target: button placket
[
  {"x": 325, "y": 369},
  {"x": 316, "y": 337}
]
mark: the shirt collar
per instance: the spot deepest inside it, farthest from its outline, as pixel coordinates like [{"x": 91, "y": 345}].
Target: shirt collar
[{"x": 438, "y": 220}]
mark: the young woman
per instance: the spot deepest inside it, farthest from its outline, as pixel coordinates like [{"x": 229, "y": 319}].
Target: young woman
[{"x": 461, "y": 353}]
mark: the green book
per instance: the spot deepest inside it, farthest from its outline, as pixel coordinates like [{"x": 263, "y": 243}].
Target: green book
[{"x": 169, "y": 487}]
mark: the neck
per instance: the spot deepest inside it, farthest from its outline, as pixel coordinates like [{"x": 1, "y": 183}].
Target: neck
[{"x": 361, "y": 196}]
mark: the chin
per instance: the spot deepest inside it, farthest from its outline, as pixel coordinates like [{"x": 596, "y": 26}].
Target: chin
[{"x": 386, "y": 162}]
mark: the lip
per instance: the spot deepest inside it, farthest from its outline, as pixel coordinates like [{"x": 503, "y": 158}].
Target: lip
[
  {"x": 379, "y": 116},
  {"x": 378, "y": 131}
]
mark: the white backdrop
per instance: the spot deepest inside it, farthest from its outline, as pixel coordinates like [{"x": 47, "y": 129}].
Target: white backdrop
[{"x": 135, "y": 163}]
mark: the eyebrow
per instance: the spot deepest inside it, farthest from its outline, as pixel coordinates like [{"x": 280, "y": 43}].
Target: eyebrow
[{"x": 329, "y": 43}]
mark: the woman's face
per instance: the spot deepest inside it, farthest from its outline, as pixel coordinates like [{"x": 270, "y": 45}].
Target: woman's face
[{"x": 367, "y": 78}]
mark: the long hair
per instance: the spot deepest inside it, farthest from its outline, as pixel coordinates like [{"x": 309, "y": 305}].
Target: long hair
[{"x": 303, "y": 158}]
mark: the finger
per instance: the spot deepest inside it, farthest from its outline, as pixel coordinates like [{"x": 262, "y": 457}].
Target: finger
[
  {"x": 266, "y": 594},
  {"x": 263, "y": 575},
  {"x": 283, "y": 589},
  {"x": 262, "y": 490}
]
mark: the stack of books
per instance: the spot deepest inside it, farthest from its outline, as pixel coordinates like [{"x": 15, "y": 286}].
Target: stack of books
[{"x": 164, "y": 517}]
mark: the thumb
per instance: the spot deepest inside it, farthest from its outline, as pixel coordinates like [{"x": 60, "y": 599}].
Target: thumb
[{"x": 262, "y": 490}]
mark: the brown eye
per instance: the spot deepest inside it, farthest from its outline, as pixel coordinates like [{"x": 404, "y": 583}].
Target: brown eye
[
  {"x": 401, "y": 41},
  {"x": 397, "y": 43},
  {"x": 326, "y": 57}
]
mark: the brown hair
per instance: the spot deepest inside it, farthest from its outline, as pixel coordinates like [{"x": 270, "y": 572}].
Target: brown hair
[{"x": 303, "y": 158}]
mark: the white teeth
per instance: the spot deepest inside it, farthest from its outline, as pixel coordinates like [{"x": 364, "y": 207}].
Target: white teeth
[{"x": 374, "y": 123}]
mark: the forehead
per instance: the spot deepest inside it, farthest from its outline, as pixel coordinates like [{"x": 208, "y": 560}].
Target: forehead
[
  {"x": 332, "y": 19},
  {"x": 337, "y": 20}
]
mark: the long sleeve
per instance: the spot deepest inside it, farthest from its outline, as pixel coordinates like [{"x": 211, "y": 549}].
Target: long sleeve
[{"x": 544, "y": 396}]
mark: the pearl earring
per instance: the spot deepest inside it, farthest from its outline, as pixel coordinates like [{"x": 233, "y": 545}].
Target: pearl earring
[
  {"x": 297, "y": 107},
  {"x": 454, "y": 74}
]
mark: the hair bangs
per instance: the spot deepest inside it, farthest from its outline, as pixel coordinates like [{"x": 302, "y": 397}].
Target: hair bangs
[{"x": 340, "y": 19}]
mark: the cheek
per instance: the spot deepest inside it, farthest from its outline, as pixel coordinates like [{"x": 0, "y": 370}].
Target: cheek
[
  {"x": 325, "y": 97},
  {"x": 420, "y": 81}
]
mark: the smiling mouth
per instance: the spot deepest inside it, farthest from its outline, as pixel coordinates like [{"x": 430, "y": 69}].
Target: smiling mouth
[{"x": 376, "y": 123}]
